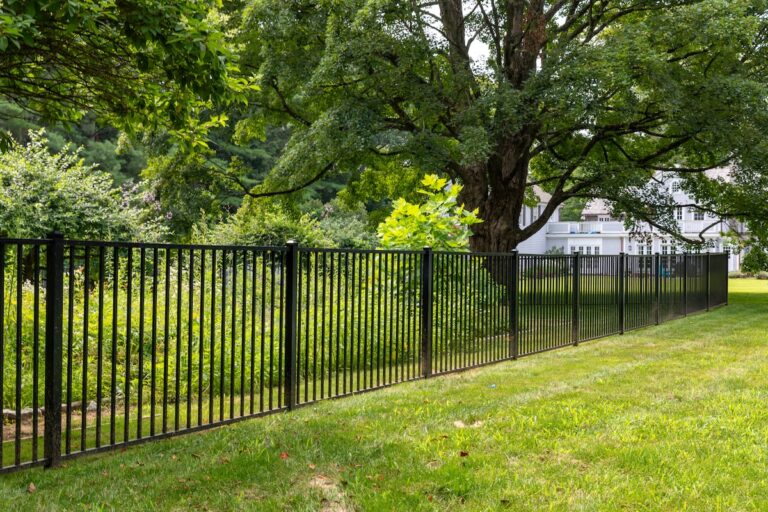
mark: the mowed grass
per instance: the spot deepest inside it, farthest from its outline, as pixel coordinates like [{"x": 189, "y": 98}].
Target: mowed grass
[{"x": 666, "y": 418}]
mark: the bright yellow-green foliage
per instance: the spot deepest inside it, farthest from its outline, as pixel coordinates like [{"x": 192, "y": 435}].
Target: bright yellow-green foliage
[
  {"x": 665, "y": 418},
  {"x": 439, "y": 222}
]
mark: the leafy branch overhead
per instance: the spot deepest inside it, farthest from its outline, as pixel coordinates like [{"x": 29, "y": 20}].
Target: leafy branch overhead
[{"x": 139, "y": 64}]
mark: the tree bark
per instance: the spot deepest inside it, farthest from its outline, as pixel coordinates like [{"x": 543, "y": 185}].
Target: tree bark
[{"x": 497, "y": 190}]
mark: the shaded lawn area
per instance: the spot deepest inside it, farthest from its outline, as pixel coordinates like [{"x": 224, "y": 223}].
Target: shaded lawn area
[{"x": 665, "y": 418}]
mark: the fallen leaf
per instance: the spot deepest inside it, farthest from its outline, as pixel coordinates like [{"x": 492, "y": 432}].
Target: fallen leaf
[
  {"x": 173, "y": 457},
  {"x": 104, "y": 473},
  {"x": 463, "y": 454},
  {"x": 459, "y": 424},
  {"x": 311, "y": 466},
  {"x": 31, "y": 488},
  {"x": 284, "y": 455}
]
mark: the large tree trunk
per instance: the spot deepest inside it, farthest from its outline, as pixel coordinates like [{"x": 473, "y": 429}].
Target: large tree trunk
[{"x": 497, "y": 189}]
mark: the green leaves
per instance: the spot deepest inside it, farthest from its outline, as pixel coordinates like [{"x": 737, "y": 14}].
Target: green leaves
[
  {"x": 142, "y": 65},
  {"x": 439, "y": 222},
  {"x": 42, "y": 192}
]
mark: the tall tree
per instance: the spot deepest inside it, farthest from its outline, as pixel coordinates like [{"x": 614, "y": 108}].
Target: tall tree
[{"x": 585, "y": 98}]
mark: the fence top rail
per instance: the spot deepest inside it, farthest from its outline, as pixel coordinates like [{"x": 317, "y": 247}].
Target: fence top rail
[
  {"x": 472, "y": 253},
  {"x": 159, "y": 245},
  {"x": 338, "y": 250},
  {"x": 24, "y": 241},
  {"x": 282, "y": 248}
]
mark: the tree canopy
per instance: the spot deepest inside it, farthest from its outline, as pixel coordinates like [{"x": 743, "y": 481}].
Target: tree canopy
[
  {"x": 140, "y": 64},
  {"x": 585, "y": 98}
]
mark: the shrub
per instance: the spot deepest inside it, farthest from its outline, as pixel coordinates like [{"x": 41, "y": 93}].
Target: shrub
[
  {"x": 737, "y": 275},
  {"x": 41, "y": 192},
  {"x": 440, "y": 222},
  {"x": 762, "y": 275},
  {"x": 264, "y": 223},
  {"x": 756, "y": 260}
]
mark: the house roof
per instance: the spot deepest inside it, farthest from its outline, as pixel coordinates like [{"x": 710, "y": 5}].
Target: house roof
[
  {"x": 596, "y": 207},
  {"x": 544, "y": 197}
]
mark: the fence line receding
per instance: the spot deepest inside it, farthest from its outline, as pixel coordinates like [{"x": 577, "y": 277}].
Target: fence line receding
[{"x": 105, "y": 344}]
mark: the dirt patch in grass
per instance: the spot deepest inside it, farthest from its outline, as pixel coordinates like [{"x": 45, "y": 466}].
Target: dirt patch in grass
[{"x": 333, "y": 498}]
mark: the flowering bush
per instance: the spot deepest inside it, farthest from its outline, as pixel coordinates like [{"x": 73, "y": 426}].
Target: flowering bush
[{"x": 42, "y": 192}]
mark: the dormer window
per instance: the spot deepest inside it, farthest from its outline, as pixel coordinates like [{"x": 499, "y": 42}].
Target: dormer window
[{"x": 675, "y": 186}]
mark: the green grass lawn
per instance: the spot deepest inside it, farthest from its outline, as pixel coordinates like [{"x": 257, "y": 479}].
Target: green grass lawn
[{"x": 665, "y": 418}]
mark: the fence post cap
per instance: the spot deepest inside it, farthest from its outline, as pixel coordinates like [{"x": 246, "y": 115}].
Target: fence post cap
[
  {"x": 427, "y": 248},
  {"x": 291, "y": 242},
  {"x": 55, "y": 234}
]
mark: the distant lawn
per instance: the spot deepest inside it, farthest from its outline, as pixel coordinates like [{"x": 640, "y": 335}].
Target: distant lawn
[{"x": 667, "y": 418}]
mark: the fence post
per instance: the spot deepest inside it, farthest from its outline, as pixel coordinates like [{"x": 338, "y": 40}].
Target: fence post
[
  {"x": 622, "y": 290},
  {"x": 426, "y": 311},
  {"x": 291, "y": 302},
  {"x": 514, "y": 278},
  {"x": 707, "y": 273},
  {"x": 685, "y": 283},
  {"x": 576, "y": 294},
  {"x": 657, "y": 288},
  {"x": 727, "y": 266},
  {"x": 54, "y": 314}
]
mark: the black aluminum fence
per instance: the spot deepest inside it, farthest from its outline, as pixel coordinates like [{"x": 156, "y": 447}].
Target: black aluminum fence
[{"x": 109, "y": 344}]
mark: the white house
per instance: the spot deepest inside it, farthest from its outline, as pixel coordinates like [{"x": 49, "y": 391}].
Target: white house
[{"x": 600, "y": 232}]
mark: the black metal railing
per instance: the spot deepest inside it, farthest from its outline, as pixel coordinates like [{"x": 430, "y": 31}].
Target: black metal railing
[{"x": 104, "y": 344}]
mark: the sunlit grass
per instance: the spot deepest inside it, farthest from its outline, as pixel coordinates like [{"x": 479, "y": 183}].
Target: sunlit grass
[{"x": 665, "y": 418}]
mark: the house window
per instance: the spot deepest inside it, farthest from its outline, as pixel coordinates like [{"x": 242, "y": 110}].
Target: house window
[
  {"x": 668, "y": 248},
  {"x": 696, "y": 213},
  {"x": 644, "y": 249},
  {"x": 597, "y": 251},
  {"x": 675, "y": 186},
  {"x": 679, "y": 213}
]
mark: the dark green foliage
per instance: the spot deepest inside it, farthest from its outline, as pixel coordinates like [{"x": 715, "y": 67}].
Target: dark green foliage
[
  {"x": 142, "y": 64},
  {"x": 756, "y": 260}
]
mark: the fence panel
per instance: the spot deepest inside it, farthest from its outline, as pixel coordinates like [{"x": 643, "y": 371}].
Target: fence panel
[
  {"x": 599, "y": 307},
  {"x": 472, "y": 309},
  {"x": 672, "y": 283},
  {"x": 157, "y": 339},
  {"x": 696, "y": 287},
  {"x": 546, "y": 300},
  {"x": 639, "y": 301},
  {"x": 161, "y": 339},
  {"x": 358, "y": 321},
  {"x": 718, "y": 279},
  {"x": 22, "y": 350}
]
